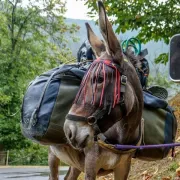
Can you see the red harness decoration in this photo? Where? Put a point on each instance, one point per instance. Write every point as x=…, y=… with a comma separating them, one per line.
x=101, y=65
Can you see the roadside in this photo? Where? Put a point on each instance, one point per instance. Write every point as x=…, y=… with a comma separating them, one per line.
x=28, y=172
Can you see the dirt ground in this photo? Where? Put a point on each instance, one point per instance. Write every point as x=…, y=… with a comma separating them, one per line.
x=166, y=169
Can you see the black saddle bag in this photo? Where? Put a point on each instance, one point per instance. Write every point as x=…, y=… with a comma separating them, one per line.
x=47, y=101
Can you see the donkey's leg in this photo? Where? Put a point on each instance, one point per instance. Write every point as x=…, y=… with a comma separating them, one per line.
x=72, y=174
x=122, y=169
x=53, y=162
x=91, y=157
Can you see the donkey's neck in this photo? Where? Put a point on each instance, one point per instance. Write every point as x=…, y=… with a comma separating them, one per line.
x=121, y=133
x=124, y=129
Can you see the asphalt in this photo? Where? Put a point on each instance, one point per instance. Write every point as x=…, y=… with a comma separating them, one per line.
x=28, y=172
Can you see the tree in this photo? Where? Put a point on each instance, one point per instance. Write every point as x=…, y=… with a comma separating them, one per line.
x=32, y=40
x=155, y=20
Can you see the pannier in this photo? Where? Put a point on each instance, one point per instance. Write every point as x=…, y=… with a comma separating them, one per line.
x=160, y=127
x=50, y=96
x=47, y=101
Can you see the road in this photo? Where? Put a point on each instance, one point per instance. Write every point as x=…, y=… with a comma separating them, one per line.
x=28, y=173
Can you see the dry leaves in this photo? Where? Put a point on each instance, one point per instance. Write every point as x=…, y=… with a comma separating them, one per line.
x=175, y=103
x=146, y=175
x=166, y=178
x=178, y=172
x=107, y=177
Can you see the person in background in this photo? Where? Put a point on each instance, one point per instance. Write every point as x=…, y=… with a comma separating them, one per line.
x=144, y=73
x=86, y=53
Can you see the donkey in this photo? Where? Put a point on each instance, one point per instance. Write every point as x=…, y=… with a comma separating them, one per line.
x=107, y=110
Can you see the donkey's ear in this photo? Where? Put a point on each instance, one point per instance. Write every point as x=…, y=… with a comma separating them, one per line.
x=96, y=44
x=112, y=43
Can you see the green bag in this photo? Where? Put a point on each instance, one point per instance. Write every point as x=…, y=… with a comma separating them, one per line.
x=160, y=126
x=47, y=101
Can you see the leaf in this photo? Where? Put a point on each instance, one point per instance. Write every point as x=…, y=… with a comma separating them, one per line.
x=29, y=45
x=162, y=58
x=157, y=20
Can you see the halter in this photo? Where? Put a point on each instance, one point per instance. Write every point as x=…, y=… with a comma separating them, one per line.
x=105, y=106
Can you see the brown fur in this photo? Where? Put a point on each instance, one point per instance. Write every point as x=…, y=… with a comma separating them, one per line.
x=85, y=154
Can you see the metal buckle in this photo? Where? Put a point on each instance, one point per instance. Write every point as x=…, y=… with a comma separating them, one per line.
x=102, y=137
x=92, y=120
x=123, y=79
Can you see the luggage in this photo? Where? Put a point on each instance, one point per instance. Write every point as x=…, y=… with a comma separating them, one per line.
x=160, y=127
x=47, y=101
x=50, y=96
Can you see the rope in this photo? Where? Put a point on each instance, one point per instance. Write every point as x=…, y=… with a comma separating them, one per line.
x=124, y=147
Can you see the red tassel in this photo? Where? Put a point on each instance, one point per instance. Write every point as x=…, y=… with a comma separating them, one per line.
x=102, y=92
x=117, y=83
x=96, y=83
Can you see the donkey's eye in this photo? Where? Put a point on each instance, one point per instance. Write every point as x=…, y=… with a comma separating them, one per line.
x=100, y=80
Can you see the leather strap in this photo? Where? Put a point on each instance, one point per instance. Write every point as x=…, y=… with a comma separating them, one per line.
x=75, y=117
x=111, y=147
x=98, y=114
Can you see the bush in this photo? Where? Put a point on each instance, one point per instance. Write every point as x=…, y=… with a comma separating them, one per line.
x=34, y=155
x=159, y=79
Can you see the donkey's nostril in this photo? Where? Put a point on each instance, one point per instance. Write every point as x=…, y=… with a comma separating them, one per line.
x=70, y=134
x=72, y=138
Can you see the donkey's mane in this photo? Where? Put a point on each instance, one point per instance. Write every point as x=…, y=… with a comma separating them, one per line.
x=135, y=61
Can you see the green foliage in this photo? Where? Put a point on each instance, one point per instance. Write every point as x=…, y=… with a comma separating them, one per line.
x=10, y=134
x=160, y=75
x=159, y=79
x=162, y=58
x=34, y=155
x=173, y=166
x=32, y=40
x=155, y=20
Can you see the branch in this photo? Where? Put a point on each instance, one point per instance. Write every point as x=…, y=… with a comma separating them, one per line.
x=12, y=24
x=23, y=24
x=11, y=3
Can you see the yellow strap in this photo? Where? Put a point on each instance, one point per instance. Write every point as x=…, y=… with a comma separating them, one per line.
x=125, y=60
x=112, y=148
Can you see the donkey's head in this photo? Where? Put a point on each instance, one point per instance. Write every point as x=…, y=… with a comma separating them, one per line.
x=109, y=100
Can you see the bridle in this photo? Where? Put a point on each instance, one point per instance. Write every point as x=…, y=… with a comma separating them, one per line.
x=100, y=112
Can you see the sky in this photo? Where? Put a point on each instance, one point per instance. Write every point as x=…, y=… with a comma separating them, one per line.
x=76, y=9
